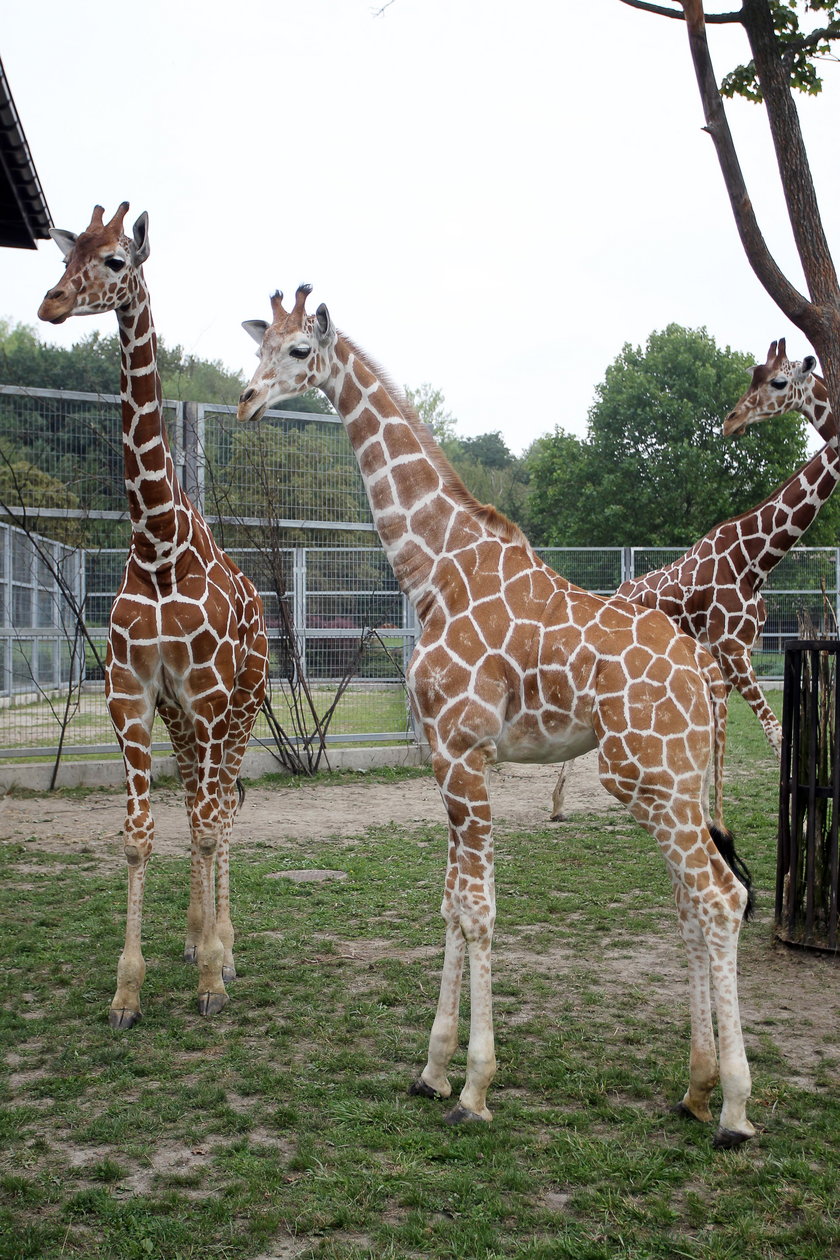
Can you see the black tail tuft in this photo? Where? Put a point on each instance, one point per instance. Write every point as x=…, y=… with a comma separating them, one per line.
x=725, y=844
x=240, y=795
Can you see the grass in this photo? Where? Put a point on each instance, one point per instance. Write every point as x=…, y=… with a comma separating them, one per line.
x=360, y=711
x=283, y=1127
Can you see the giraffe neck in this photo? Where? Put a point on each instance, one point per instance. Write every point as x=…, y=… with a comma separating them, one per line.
x=811, y=399
x=421, y=509
x=770, y=530
x=159, y=529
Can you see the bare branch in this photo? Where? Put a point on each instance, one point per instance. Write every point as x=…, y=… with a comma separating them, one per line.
x=794, y=304
x=719, y=18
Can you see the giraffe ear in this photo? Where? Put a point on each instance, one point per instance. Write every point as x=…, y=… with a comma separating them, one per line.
x=805, y=368
x=324, y=325
x=256, y=328
x=64, y=240
x=141, y=239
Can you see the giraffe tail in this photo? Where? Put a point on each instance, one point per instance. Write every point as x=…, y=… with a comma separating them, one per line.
x=721, y=835
x=240, y=794
x=718, y=696
x=725, y=844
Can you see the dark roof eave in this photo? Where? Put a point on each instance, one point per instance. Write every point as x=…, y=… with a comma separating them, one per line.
x=24, y=213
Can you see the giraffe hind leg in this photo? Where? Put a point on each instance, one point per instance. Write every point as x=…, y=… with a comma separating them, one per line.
x=183, y=745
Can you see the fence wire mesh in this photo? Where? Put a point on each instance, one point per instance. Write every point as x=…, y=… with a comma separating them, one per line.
x=270, y=492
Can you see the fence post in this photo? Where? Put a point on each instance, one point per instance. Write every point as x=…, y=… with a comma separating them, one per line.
x=807, y=874
x=7, y=602
x=627, y=563
x=194, y=461
x=299, y=603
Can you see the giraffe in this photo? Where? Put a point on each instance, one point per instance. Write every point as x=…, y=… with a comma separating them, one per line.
x=186, y=636
x=780, y=385
x=513, y=663
x=713, y=591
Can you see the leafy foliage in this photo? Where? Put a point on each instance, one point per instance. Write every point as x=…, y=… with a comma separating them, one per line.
x=798, y=49
x=654, y=470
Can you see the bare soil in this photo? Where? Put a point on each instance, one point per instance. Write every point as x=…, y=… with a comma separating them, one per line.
x=520, y=794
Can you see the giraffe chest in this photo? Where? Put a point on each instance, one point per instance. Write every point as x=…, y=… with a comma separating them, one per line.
x=181, y=639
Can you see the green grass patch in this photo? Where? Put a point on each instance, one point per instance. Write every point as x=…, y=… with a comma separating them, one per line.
x=283, y=1126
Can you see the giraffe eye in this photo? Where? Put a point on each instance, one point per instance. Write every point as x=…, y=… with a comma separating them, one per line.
x=779, y=382
x=300, y=352
x=115, y=264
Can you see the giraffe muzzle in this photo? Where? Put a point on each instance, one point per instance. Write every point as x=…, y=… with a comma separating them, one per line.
x=57, y=305
x=250, y=409
x=733, y=424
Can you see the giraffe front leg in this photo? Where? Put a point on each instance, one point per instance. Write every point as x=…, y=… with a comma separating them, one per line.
x=469, y=908
x=139, y=841
x=740, y=673
x=210, y=952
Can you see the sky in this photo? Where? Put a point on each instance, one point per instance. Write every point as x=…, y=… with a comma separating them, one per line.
x=493, y=198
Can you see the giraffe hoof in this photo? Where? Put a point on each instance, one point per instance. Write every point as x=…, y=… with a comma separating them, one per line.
x=123, y=1018
x=727, y=1139
x=685, y=1113
x=190, y=954
x=558, y=817
x=211, y=1003
x=462, y=1115
x=420, y=1089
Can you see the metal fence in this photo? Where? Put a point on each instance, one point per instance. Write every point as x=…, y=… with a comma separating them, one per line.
x=270, y=491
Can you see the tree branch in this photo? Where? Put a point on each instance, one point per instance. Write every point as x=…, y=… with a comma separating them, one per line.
x=791, y=156
x=711, y=18
x=794, y=304
x=804, y=42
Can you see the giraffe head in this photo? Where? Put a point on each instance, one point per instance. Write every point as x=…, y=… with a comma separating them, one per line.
x=777, y=386
x=101, y=267
x=294, y=354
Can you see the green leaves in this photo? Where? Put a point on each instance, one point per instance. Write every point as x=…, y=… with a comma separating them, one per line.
x=798, y=49
x=655, y=470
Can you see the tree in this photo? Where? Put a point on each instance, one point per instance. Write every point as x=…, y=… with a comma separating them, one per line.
x=655, y=470
x=428, y=402
x=782, y=60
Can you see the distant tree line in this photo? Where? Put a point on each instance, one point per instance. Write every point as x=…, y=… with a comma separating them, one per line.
x=652, y=470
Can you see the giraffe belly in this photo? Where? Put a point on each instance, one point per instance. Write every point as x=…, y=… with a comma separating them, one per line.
x=521, y=742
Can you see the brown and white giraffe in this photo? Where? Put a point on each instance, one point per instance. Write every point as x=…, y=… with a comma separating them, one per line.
x=514, y=663
x=780, y=385
x=186, y=636
x=713, y=591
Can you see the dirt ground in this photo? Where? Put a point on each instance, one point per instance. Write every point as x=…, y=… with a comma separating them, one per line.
x=789, y=997
x=520, y=794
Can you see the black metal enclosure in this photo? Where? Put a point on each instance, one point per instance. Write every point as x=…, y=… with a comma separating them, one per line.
x=809, y=796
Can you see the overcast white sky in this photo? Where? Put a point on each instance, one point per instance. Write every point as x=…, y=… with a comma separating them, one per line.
x=490, y=196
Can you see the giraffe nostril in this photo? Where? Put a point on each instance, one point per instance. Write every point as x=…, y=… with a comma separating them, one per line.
x=55, y=293
x=246, y=396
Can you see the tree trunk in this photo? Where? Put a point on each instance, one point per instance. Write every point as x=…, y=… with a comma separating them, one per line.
x=819, y=317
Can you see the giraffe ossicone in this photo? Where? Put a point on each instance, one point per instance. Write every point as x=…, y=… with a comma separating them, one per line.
x=514, y=663
x=186, y=635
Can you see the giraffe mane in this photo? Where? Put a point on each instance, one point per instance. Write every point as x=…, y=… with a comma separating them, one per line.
x=489, y=516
